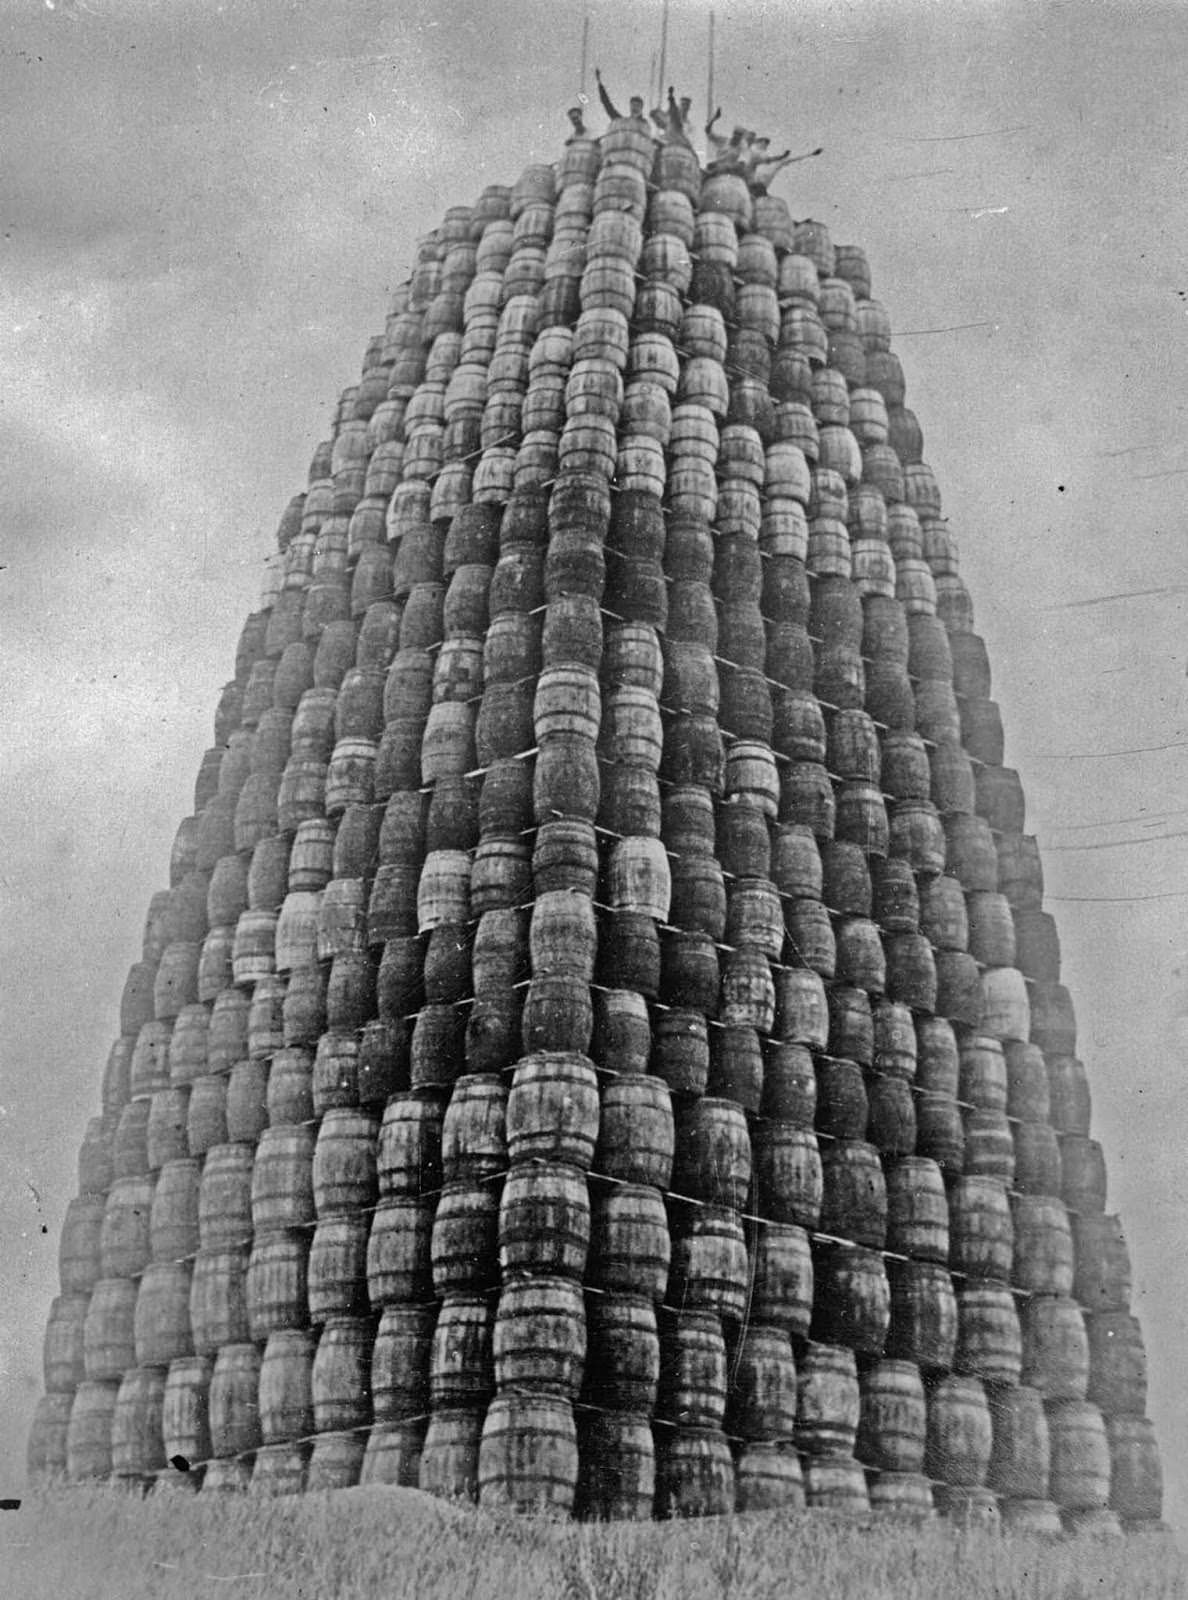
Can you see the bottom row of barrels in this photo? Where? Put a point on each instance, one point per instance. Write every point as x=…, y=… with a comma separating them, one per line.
x=537, y=1453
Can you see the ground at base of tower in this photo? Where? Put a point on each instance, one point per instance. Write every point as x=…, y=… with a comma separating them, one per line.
x=402, y=1545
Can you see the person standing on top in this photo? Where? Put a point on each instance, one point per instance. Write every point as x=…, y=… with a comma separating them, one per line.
x=673, y=120
x=636, y=106
x=715, y=143
x=729, y=155
x=761, y=169
x=578, y=123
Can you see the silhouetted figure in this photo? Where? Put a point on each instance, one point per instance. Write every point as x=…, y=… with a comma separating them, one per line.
x=636, y=106
x=673, y=120
x=761, y=169
x=728, y=155
x=715, y=143
x=578, y=123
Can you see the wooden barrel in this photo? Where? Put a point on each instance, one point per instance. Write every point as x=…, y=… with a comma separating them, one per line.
x=285, y=1398
x=1136, y=1476
x=1102, y=1279
x=344, y=1162
x=636, y=1136
x=173, y=1218
x=340, y=1382
x=1055, y=1347
x=638, y=877
x=689, y=972
x=1083, y=1175
x=278, y=1281
x=116, y=1085
x=714, y=1153
x=694, y=1474
x=959, y=1433
x=762, y=1400
x=917, y=1210
x=565, y=858
x=892, y=1417
x=788, y=1173
x=136, y=1448
x=1080, y=1467
x=409, y=1157
x=449, y=1457
x=828, y=1400
x=1037, y=1156
x=901, y=1496
x=623, y=1366
x=336, y=1461
x=472, y=1145
x=892, y=1127
x=802, y=1011
x=539, y=1340
x=558, y=1015
x=161, y=1325
x=782, y=1281
x=185, y=1421
x=736, y=1065
x=63, y=1364
x=247, y=1107
x=111, y=1239
x=225, y=1211
x=108, y=1329
x=968, y=1508
x=218, y=1299
x=1043, y=1257
x=265, y=1028
x=852, y=1306
x=544, y=1220
x=528, y=1456
x=860, y=960
x=463, y=1239
x=989, y=1146
x=709, y=1260
x=553, y=1109
x=565, y=780
x=810, y=936
x=842, y=1107
x=789, y=1091
x=616, y=1477
x=280, y=1469
x=234, y=1400
x=400, y=1360
x=1019, y=1456
x=989, y=1342
x=206, y=1115
x=923, y=1315
x=88, y=1433
x=282, y=1193
x=981, y=1230
x=630, y=1250
x=460, y=1368
x=622, y=1031
x=396, y=1256
x=854, y=1194
x=896, y=1049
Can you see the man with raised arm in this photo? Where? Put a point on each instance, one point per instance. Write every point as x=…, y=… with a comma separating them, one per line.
x=636, y=106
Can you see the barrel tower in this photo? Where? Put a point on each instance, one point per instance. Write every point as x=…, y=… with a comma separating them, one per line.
x=602, y=1049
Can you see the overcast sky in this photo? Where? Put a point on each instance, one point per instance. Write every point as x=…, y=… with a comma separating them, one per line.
x=202, y=215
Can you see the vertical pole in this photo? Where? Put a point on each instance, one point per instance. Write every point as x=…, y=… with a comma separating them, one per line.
x=710, y=108
x=652, y=81
x=585, y=53
x=660, y=89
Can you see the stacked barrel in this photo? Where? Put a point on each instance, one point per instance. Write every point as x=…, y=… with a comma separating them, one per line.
x=603, y=1048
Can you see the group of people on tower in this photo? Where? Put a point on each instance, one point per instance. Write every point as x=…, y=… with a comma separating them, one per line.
x=744, y=152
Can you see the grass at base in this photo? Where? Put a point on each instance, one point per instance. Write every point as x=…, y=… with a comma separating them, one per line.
x=401, y=1545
